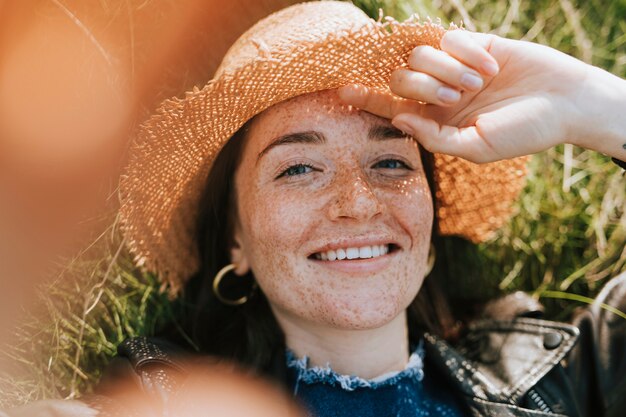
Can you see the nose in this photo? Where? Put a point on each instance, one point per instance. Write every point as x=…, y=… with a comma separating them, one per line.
x=353, y=198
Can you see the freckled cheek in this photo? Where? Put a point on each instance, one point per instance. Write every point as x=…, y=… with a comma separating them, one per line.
x=274, y=224
x=278, y=219
x=411, y=203
x=411, y=206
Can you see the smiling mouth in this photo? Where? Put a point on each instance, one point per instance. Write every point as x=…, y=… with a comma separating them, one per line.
x=363, y=252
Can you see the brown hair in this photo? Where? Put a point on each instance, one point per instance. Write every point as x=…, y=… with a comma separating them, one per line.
x=249, y=334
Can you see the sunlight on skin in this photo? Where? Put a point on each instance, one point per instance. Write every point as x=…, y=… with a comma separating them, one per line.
x=483, y=105
x=361, y=183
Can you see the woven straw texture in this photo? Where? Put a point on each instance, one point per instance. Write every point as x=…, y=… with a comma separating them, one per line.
x=302, y=49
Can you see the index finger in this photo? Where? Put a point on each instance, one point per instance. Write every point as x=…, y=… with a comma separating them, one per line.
x=377, y=102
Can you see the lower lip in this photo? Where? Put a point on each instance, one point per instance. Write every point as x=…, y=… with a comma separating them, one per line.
x=359, y=266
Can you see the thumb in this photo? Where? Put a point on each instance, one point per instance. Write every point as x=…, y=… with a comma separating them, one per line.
x=517, y=127
x=465, y=142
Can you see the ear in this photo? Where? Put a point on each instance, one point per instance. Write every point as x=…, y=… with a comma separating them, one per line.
x=238, y=254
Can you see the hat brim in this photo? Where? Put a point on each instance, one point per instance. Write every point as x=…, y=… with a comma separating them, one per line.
x=173, y=152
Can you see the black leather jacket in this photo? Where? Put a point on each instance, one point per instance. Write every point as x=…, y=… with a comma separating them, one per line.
x=509, y=365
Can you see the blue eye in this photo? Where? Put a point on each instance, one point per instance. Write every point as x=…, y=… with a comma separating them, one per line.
x=391, y=164
x=297, y=169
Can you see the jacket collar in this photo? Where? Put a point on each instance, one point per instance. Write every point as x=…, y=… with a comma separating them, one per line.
x=500, y=361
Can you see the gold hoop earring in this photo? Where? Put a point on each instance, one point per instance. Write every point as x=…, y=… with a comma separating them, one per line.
x=216, y=287
x=430, y=263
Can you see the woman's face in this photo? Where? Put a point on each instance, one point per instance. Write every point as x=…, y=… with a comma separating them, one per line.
x=319, y=184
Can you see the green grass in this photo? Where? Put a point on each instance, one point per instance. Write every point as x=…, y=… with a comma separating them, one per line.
x=99, y=300
x=566, y=239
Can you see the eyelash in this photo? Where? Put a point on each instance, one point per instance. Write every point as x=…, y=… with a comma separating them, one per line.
x=291, y=167
x=403, y=165
x=285, y=173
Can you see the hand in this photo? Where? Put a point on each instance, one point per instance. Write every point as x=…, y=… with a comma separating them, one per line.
x=52, y=408
x=486, y=98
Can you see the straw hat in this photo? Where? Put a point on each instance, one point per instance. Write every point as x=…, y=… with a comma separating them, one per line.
x=301, y=49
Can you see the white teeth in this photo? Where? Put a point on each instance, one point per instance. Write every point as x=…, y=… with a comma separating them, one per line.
x=364, y=252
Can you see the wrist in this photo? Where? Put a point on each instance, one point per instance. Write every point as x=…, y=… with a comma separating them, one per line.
x=601, y=125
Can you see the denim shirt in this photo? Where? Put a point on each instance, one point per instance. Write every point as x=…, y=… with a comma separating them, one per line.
x=406, y=393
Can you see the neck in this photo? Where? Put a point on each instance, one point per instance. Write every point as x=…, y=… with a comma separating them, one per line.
x=364, y=353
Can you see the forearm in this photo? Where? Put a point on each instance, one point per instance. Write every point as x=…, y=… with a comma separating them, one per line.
x=601, y=125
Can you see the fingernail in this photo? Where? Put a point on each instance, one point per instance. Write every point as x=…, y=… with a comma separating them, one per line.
x=471, y=81
x=490, y=68
x=448, y=95
x=403, y=127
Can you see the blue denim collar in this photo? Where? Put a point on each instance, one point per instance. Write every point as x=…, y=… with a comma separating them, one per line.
x=325, y=375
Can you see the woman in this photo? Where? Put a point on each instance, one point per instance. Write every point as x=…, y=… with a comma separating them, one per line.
x=327, y=209
x=305, y=215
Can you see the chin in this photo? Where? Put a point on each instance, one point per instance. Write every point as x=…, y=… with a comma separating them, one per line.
x=361, y=314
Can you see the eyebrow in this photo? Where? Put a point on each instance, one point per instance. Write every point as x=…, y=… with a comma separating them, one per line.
x=383, y=132
x=312, y=137
x=377, y=132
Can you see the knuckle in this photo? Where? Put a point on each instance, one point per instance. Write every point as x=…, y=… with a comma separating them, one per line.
x=448, y=38
x=395, y=82
x=396, y=107
x=420, y=52
x=402, y=78
x=397, y=76
x=422, y=86
x=414, y=85
x=491, y=37
x=426, y=57
x=363, y=96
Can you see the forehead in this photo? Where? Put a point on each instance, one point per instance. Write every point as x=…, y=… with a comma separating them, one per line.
x=321, y=111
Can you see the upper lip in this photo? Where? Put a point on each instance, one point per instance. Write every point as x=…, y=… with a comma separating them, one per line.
x=354, y=242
